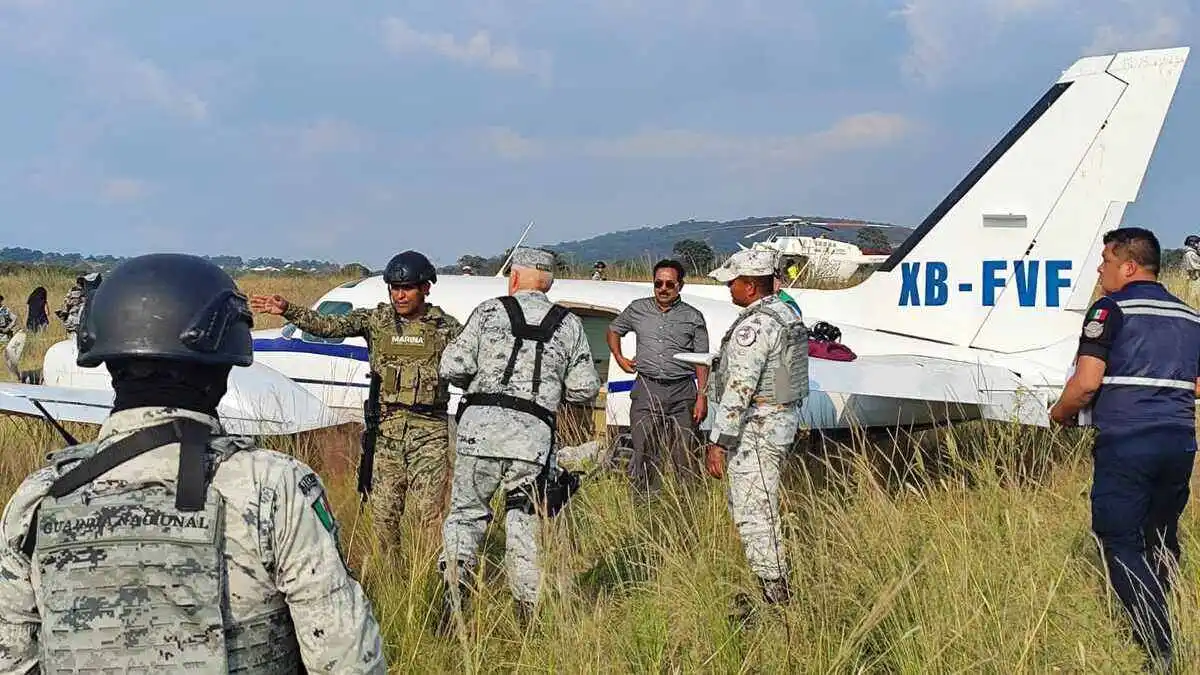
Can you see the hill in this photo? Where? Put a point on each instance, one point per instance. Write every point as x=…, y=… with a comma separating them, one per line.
x=722, y=236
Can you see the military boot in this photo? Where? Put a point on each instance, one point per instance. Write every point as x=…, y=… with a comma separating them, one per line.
x=776, y=591
x=526, y=612
x=454, y=597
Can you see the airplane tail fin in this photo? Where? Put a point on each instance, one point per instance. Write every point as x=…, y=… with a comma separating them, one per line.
x=1007, y=261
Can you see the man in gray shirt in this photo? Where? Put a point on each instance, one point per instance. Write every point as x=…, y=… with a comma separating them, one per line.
x=666, y=405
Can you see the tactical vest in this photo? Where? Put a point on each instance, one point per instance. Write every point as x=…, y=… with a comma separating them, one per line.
x=408, y=366
x=1150, y=378
x=784, y=379
x=133, y=578
x=521, y=331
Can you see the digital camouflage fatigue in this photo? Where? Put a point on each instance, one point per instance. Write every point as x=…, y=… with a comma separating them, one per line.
x=757, y=386
x=8, y=324
x=476, y=479
x=412, y=458
x=72, y=308
x=754, y=469
x=119, y=578
x=476, y=361
x=502, y=447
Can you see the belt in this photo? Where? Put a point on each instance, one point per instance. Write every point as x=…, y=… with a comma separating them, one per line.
x=430, y=410
x=664, y=381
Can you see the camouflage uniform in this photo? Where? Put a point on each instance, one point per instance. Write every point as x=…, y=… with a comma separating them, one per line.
x=413, y=450
x=758, y=385
x=260, y=560
x=501, y=447
x=8, y=324
x=71, y=309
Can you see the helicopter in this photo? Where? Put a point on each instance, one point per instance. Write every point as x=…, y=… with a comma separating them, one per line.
x=812, y=260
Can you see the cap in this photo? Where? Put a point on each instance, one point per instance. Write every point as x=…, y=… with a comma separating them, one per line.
x=746, y=263
x=534, y=258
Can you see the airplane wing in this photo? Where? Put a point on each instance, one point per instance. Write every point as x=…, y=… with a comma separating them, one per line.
x=259, y=402
x=857, y=387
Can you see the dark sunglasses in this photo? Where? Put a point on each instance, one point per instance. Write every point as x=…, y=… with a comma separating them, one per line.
x=660, y=283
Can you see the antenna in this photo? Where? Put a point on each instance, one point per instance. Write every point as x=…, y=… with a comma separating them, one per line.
x=500, y=272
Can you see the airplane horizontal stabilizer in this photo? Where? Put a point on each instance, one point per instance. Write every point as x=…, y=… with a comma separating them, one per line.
x=259, y=402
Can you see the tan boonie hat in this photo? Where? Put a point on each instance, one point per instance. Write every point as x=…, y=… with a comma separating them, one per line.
x=746, y=263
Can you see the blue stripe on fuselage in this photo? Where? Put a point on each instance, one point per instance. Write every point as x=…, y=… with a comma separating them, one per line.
x=282, y=344
x=615, y=386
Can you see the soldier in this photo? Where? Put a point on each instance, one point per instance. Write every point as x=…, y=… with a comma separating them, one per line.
x=405, y=341
x=165, y=543
x=73, y=303
x=759, y=380
x=517, y=359
x=8, y=322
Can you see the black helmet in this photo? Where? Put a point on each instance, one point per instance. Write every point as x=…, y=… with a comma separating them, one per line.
x=1191, y=241
x=409, y=267
x=166, y=306
x=825, y=332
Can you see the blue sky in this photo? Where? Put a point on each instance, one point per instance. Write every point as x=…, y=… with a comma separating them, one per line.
x=350, y=131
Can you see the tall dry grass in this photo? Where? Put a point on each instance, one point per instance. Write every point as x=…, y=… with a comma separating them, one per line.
x=960, y=549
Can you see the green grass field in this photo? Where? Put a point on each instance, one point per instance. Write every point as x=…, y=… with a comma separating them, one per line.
x=965, y=549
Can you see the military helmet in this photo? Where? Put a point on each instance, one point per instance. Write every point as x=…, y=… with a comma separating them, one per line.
x=166, y=306
x=1192, y=241
x=409, y=267
x=825, y=332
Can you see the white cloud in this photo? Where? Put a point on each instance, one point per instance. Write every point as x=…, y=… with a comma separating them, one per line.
x=320, y=137
x=943, y=31
x=61, y=34
x=949, y=35
x=509, y=144
x=850, y=133
x=1156, y=30
x=125, y=78
x=124, y=189
x=479, y=50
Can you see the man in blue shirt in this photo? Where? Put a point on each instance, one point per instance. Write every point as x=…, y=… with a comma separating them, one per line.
x=1137, y=370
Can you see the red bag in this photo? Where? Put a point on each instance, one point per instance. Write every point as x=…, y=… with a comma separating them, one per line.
x=833, y=351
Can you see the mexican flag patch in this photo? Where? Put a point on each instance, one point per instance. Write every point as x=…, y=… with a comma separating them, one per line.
x=1099, y=314
x=325, y=514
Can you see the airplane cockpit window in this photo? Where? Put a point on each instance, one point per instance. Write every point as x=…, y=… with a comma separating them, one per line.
x=596, y=329
x=329, y=308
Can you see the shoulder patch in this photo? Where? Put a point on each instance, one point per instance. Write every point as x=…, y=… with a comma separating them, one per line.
x=1093, y=329
x=745, y=335
x=321, y=507
x=309, y=483
x=310, y=487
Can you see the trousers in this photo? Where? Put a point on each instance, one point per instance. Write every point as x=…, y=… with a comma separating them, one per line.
x=1139, y=490
x=476, y=480
x=412, y=462
x=754, y=470
x=661, y=426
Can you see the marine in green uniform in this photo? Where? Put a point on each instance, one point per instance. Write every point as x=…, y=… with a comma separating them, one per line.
x=405, y=339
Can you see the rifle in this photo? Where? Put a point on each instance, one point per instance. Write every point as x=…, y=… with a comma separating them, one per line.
x=371, y=414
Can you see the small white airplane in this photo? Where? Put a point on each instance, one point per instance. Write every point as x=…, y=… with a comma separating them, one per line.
x=975, y=316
